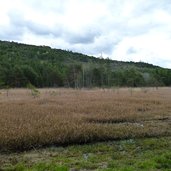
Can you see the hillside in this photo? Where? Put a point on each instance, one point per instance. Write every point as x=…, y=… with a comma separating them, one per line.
x=43, y=66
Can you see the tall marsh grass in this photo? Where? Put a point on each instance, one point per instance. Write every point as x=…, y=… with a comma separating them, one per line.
x=66, y=116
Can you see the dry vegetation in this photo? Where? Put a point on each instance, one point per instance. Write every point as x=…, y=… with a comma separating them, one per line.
x=65, y=116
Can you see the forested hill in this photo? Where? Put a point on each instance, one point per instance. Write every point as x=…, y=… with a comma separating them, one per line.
x=43, y=66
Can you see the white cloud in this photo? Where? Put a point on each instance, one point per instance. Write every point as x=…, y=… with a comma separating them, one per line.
x=121, y=29
x=150, y=47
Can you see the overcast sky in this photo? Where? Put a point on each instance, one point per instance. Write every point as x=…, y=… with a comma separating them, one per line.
x=127, y=30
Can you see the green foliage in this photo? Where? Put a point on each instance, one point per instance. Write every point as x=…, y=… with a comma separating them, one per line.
x=49, y=167
x=42, y=66
x=38, y=167
x=164, y=161
x=1, y=84
x=34, y=92
x=126, y=155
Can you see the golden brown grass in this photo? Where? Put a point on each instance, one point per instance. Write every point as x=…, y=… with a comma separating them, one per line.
x=65, y=116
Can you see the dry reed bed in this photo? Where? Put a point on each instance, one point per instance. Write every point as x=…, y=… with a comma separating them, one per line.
x=65, y=116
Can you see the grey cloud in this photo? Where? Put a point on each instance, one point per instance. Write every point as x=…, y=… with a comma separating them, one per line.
x=43, y=30
x=18, y=22
x=8, y=36
x=106, y=47
x=82, y=38
x=94, y=49
x=11, y=33
x=131, y=50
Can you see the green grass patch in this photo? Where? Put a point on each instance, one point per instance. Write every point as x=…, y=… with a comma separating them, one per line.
x=127, y=155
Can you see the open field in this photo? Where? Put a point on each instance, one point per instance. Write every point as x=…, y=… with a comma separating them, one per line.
x=67, y=116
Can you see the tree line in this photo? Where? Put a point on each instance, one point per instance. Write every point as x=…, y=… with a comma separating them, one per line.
x=42, y=66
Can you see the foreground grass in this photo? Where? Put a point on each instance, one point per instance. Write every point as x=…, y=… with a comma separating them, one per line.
x=152, y=154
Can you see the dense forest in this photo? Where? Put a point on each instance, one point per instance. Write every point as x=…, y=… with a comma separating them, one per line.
x=43, y=66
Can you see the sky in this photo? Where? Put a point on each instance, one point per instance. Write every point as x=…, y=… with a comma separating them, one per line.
x=125, y=30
